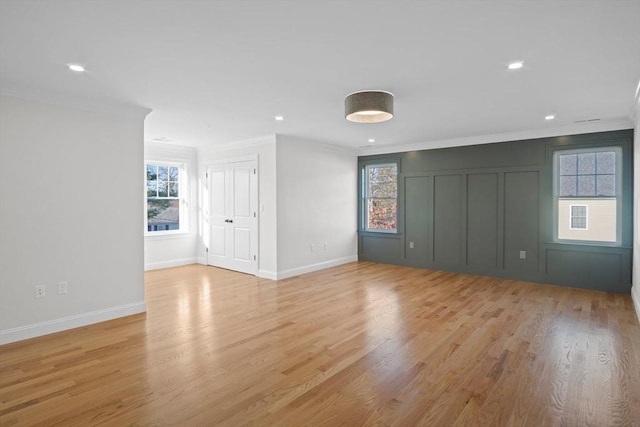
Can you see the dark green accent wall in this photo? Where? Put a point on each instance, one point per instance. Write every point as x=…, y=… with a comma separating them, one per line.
x=475, y=209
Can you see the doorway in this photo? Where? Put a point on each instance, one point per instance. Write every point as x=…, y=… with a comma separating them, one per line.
x=233, y=218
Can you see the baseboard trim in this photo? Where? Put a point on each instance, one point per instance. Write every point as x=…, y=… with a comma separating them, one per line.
x=315, y=267
x=62, y=324
x=266, y=274
x=635, y=297
x=170, y=263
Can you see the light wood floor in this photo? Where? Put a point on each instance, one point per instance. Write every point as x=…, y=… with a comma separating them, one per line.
x=360, y=344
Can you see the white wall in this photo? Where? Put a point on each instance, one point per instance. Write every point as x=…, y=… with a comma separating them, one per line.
x=635, y=290
x=70, y=210
x=171, y=250
x=265, y=149
x=317, y=204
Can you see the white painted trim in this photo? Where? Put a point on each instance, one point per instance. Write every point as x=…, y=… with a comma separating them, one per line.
x=201, y=261
x=633, y=115
x=225, y=160
x=231, y=146
x=320, y=146
x=68, y=100
x=574, y=129
x=315, y=267
x=265, y=274
x=171, y=263
x=635, y=297
x=171, y=149
x=70, y=322
x=169, y=235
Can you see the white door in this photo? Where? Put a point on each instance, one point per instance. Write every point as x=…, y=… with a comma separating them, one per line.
x=234, y=216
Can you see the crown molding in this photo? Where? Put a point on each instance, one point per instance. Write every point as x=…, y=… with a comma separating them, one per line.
x=95, y=105
x=574, y=129
x=169, y=149
x=635, y=110
x=235, y=145
x=320, y=146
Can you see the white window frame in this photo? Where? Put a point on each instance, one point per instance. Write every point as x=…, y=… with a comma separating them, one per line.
x=586, y=217
x=182, y=198
x=618, y=197
x=366, y=198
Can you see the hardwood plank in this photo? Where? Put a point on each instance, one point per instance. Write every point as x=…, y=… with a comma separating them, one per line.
x=358, y=344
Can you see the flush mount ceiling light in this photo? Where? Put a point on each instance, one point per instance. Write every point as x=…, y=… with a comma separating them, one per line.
x=549, y=117
x=279, y=118
x=372, y=106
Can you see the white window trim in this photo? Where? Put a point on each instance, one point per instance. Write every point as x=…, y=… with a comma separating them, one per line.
x=182, y=200
x=586, y=217
x=365, y=198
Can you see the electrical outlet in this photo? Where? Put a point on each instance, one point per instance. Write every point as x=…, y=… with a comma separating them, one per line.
x=523, y=254
x=312, y=247
x=40, y=291
x=63, y=288
x=325, y=245
x=411, y=245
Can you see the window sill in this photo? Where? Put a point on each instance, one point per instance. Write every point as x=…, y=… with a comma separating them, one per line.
x=589, y=244
x=380, y=233
x=168, y=235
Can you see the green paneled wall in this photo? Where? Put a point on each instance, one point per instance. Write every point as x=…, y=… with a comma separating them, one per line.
x=488, y=209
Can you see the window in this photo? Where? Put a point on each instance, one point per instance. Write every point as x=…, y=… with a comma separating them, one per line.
x=587, y=194
x=164, y=192
x=578, y=218
x=380, y=197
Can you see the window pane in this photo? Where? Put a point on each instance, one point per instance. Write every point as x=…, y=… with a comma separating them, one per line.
x=163, y=173
x=606, y=162
x=163, y=214
x=586, y=163
x=152, y=189
x=579, y=217
x=587, y=185
x=383, y=190
x=382, y=181
x=606, y=185
x=173, y=189
x=382, y=214
x=152, y=172
x=579, y=222
x=163, y=191
x=568, y=186
x=579, y=211
x=173, y=173
x=569, y=164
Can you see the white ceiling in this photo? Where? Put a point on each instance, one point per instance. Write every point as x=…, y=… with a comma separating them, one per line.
x=214, y=72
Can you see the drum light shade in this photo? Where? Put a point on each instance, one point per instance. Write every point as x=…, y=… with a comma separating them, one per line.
x=369, y=106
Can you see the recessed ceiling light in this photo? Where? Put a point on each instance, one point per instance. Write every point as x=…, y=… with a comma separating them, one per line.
x=76, y=67
x=516, y=65
x=371, y=140
x=279, y=118
x=549, y=117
